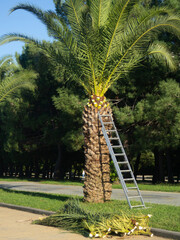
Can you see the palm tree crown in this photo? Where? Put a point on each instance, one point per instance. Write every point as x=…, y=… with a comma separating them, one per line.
x=101, y=40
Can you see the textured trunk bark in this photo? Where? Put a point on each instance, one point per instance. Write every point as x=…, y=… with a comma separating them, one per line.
x=97, y=186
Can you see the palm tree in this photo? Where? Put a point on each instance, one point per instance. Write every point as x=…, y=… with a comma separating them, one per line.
x=99, y=41
x=13, y=78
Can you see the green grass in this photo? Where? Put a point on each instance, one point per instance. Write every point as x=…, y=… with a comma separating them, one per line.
x=163, y=187
x=164, y=216
x=50, y=202
x=63, y=182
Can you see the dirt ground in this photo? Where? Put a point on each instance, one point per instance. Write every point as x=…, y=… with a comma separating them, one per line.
x=16, y=225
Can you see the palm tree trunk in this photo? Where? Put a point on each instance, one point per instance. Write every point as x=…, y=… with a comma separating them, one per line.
x=97, y=186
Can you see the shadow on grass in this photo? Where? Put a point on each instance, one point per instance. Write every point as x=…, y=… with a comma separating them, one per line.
x=50, y=196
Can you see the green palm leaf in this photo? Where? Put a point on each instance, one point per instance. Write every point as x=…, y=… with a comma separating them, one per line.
x=161, y=53
x=23, y=79
x=57, y=29
x=99, y=10
x=101, y=40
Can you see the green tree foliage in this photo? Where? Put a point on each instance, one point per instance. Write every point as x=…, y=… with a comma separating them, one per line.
x=99, y=41
x=97, y=44
x=148, y=116
x=13, y=78
x=52, y=91
x=156, y=117
x=14, y=81
x=33, y=129
x=174, y=4
x=148, y=113
x=71, y=108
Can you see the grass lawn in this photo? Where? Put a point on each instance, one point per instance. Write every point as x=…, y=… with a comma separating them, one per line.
x=163, y=187
x=164, y=216
x=65, y=182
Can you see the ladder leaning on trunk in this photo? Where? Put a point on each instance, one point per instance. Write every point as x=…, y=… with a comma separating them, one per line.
x=120, y=160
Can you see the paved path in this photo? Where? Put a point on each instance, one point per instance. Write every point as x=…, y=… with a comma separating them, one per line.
x=16, y=225
x=149, y=196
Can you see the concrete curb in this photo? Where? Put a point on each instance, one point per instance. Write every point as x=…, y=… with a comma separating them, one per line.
x=165, y=233
x=27, y=209
x=155, y=231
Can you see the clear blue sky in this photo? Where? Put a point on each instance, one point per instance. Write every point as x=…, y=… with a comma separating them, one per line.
x=22, y=22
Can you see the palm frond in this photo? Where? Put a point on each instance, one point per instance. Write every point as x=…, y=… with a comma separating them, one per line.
x=116, y=19
x=58, y=5
x=23, y=79
x=99, y=10
x=161, y=53
x=7, y=66
x=57, y=29
x=101, y=40
x=47, y=48
x=6, y=59
x=73, y=9
x=142, y=15
x=142, y=37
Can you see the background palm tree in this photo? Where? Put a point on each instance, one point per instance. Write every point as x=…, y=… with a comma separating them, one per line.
x=13, y=77
x=99, y=41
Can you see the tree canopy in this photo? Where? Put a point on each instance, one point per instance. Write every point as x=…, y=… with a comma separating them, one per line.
x=100, y=41
x=96, y=47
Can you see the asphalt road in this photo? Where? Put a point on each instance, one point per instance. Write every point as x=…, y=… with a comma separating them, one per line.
x=148, y=196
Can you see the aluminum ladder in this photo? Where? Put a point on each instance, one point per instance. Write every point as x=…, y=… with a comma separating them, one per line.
x=120, y=160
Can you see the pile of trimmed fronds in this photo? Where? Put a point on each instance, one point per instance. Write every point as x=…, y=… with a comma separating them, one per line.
x=74, y=217
x=121, y=225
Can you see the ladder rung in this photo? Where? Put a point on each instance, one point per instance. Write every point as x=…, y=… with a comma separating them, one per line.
x=116, y=144
x=138, y=206
x=125, y=162
x=119, y=154
x=135, y=196
x=125, y=171
x=128, y=179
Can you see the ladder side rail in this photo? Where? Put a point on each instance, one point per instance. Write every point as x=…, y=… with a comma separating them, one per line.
x=113, y=157
x=131, y=172
x=122, y=148
x=114, y=160
x=129, y=166
x=116, y=165
x=112, y=152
